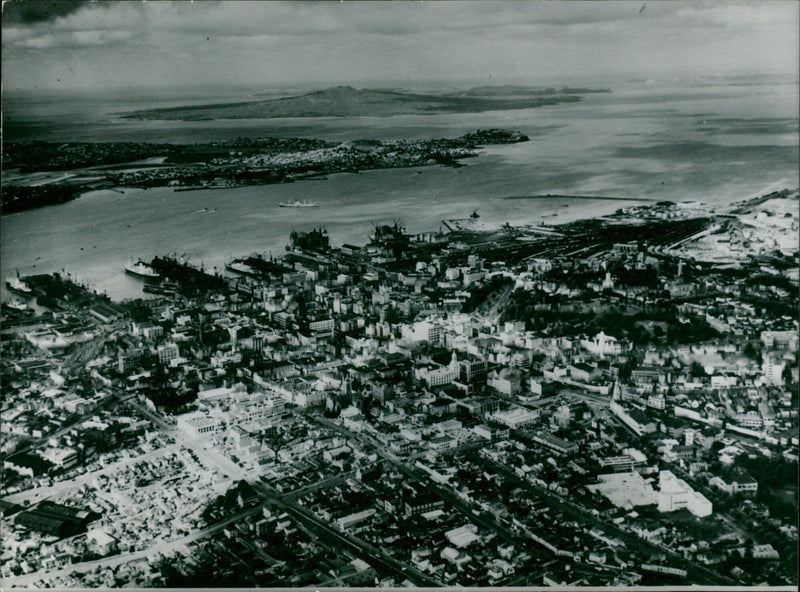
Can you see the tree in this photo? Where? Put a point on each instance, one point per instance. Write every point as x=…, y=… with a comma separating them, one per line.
x=748, y=550
x=751, y=351
x=393, y=316
x=697, y=370
x=787, y=374
x=276, y=438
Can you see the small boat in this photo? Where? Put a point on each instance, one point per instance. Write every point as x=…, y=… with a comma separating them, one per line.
x=299, y=204
x=141, y=269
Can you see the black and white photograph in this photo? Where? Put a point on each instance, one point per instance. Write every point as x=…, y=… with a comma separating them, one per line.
x=400, y=294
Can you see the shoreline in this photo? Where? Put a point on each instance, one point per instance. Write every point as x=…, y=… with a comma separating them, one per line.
x=589, y=197
x=249, y=208
x=523, y=226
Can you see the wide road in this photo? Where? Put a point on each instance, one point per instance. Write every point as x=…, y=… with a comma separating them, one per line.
x=203, y=450
x=93, y=347
x=358, y=547
x=227, y=467
x=164, y=547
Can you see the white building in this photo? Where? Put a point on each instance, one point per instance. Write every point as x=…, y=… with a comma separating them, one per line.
x=228, y=408
x=625, y=490
x=541, y=387
x=772, y=368
x=751, y=419
x=563, y=416
x=516, y=417
x=782, y=340
x=603, y=345
x=353, y=519
x=256, y=408
x=675, y=494
x=471, y=276
x=61, y=457
x=506, y=380
x=198, y=424
x=351, y=418
x=463, y=536
x=634, y=419
x=322, y=328
x=167, y=352
x=426, y=330
x=739, y=484
x=436, y=375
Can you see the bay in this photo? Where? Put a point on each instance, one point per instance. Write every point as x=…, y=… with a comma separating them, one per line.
x=714, y=142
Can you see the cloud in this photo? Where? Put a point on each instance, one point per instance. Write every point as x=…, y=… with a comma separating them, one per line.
x=38, y=11
x=389, y=19
x=247, y=18
x=75, y=39
x=305, y=42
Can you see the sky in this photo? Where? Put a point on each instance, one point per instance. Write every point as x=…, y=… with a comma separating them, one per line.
x=115, y=45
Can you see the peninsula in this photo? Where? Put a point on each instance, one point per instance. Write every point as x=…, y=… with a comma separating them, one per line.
x=78, y=167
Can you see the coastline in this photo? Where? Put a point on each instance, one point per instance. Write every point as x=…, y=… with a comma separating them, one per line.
x=221, y=165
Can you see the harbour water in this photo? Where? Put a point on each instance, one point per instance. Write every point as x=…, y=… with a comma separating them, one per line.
x=715, y=142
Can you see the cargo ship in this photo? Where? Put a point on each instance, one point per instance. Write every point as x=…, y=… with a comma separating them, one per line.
x=141, y=269
x=256, y=266
x=299, y=204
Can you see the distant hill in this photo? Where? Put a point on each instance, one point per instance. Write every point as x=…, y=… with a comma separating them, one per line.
x=346, y=101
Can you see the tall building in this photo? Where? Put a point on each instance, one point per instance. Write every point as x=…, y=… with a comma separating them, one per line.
x=772, y=368
x=322, y=328
x=472, y=370
x=167, y=352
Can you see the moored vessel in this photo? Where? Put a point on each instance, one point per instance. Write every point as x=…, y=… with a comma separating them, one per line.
x=237, y=266
x=17, y=285
x=256, y=266
x=141, y=269
x=299, y=204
